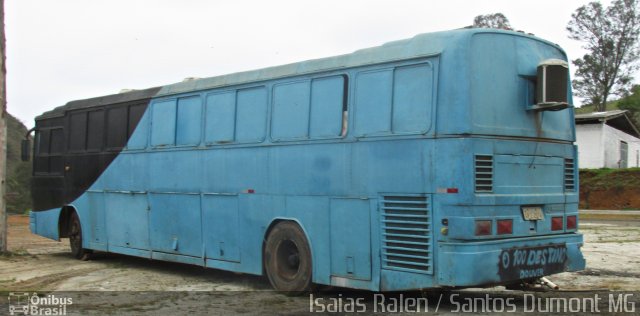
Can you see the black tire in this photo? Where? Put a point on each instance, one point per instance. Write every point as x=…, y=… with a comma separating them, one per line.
x=287, y=259
x=75, y=239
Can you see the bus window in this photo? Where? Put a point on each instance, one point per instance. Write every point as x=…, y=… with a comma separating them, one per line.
x=291, y=110
x=251, y=114
x=373, y=102
x=412, y=97
x=56, y=149
x=95, y=130
x=78, y=132
x=57, y=142
x=220, y=112
x=188, y=121
x=309, y=109
x=137, y=122
x=397, y=101
x=328, y=107
x=43, y=142
x=163, y=126
x=116, y=127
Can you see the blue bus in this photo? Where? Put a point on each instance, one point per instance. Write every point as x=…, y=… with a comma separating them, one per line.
x=444, y=160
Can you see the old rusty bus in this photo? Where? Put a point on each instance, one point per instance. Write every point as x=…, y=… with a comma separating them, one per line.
x=447, y=159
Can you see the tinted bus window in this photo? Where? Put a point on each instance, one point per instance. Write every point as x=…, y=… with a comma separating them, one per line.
x=116, y=127
x=138, y=123
x=43, y=142
x=95, y=128
x=135, y=115
x=57, y=141
x=78, y=132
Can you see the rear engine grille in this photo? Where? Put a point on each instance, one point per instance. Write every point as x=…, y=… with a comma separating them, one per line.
x=406, y=234
x=569, y=175
x=484, y=173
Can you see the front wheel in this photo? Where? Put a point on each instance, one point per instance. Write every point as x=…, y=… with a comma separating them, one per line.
x=287, y=258
x=75, y=239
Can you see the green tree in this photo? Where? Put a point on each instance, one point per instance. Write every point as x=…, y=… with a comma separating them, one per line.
x=610, y=36
x=631, y=103
x=18, y=189
x=494, y=20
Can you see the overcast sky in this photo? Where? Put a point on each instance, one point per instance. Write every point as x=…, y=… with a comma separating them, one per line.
x=63, y=50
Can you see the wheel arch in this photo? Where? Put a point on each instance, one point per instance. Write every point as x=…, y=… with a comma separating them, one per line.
x=270, y=227
x=64, y=219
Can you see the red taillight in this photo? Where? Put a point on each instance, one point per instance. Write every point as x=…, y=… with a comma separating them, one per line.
x=505, y=226
x=556, y=223
x=572, y=222
x=452, y=190
x=483, y=228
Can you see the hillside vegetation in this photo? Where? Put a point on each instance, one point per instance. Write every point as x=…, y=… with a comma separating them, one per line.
x=18, y=192
x=610, y=189
x=630, y=103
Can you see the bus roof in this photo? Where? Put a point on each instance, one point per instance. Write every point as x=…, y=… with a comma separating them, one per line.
x=421, y=45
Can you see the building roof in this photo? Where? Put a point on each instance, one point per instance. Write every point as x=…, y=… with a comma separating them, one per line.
x=618, y=119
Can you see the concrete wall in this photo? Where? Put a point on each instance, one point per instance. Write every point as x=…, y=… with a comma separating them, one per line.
x=612, y=138
x=599, y=146
x=590, y=146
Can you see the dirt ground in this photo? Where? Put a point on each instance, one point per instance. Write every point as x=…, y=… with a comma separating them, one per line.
x=116, y=284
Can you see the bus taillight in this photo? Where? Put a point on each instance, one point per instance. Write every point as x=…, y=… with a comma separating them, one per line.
x=557, y=223
x=505, y=226
x=483, y=228
x=572, y=222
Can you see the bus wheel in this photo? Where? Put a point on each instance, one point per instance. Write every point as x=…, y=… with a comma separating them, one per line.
x=287, y=259
x=75, y=239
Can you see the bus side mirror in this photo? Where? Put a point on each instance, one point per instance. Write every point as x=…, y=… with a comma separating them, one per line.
x=26, y=150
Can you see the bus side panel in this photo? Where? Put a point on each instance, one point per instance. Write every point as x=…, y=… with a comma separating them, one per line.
x=312, y=213
x=175, y=224
x=220, y=227
x=97, y=233
x=350, y=238
x=45, y=223
x=127, y=220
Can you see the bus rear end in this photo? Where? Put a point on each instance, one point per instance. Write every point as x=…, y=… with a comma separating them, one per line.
x=508, y=211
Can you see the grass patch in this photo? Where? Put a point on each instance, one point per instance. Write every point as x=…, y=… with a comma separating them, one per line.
x=609, y=217
x=20, y=252
x=605, y=178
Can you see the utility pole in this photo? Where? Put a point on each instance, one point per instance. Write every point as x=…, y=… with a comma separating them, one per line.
x=3, y=134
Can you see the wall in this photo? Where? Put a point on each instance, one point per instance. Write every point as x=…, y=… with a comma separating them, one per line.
x=611, y=141
x=590, y=145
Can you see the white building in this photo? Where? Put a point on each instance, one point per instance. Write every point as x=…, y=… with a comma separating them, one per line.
x=607, y=140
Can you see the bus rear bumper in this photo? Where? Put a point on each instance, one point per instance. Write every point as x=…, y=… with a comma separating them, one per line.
x=508, y=260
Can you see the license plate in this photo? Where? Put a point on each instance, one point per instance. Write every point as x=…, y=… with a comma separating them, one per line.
x=532, y=213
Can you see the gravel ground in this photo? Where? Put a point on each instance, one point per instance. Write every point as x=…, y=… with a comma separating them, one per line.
x=116, y=284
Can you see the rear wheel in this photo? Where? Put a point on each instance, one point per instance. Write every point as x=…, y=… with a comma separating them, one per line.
x=287, y=259
x=75, y=239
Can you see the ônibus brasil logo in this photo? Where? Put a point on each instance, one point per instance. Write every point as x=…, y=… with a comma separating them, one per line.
x=33, y=304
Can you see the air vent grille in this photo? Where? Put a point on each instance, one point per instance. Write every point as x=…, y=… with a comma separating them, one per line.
x=484, y=173
x=406, y=233
x=569, y=175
